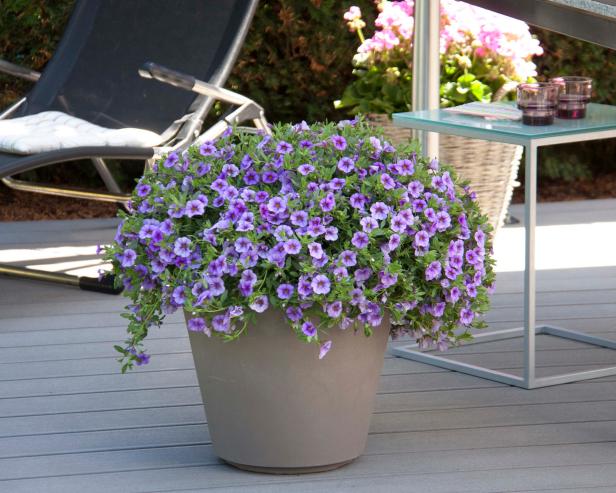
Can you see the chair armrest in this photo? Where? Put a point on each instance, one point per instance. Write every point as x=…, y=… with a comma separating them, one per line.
x=17, y=71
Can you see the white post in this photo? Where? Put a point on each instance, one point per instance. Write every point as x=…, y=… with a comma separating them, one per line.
x=426, y=66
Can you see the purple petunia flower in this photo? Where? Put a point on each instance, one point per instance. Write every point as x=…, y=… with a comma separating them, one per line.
x=443, y=221
x=196, y=324
x=299, y=218
x=260, y=304
x=292, y=247
x=358, y=200
x=181, y=247
x=305, y=169
x=328, y=202
x=368, y=224
x=346, y=165
x=207, y=149
x=331, y=233
x=363, y=274
x=387, y=279
x=387, y=182
x=339, y=142
x=220, y=323
x=284, y=147
x=360, y=240
x=394, y=242
x=294, y=313
x=315, y=250
x=324, y=349
x=379, y=210
x=143, y=189
x=421, y=240
x=320, y=284
x=285, y=291
x=251, y=177
x=277, y=204
x=304, y=287
x=309, y=329
x=433, y=271
x=128, y=257
x=194, y=208
x=334, y=310
x=466, y=316
x=348, y=258
x=216, y=286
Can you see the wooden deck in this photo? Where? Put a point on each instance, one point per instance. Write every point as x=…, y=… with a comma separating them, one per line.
x=69, y=422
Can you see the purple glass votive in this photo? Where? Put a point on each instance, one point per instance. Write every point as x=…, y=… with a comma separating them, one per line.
x=574, y=96
x=538, y=102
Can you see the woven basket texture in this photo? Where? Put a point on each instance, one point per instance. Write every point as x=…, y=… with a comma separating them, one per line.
x=490, y=167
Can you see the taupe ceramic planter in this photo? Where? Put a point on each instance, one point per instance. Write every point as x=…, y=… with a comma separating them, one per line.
x=273, y=406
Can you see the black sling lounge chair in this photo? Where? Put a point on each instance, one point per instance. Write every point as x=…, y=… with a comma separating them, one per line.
x=94, y=76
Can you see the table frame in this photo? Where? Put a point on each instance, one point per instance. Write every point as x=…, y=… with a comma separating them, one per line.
x=529, y=331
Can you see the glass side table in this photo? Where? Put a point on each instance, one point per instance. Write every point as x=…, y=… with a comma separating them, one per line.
x=600, y=123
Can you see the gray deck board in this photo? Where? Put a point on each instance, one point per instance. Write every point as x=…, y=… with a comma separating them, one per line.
x=70, y=422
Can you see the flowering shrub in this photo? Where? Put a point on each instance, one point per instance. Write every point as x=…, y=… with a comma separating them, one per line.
x=328, y=223
x=483, y=57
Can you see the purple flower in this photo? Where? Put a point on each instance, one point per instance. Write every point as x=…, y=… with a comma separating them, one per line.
x=315, y=227
x=421, y=240
x=363, y=274
x=360, y=240
x=196, y=324
x=260, y=304
x=346, y=165
x=358, y=200
x=334, y=309
x=328, y=202
x=320, y=284
x=387, y=181
x=443, y=221
x=331, y=233
x=292, y=247
x=284, y=147
x=294, y=313
x=304, y=287
x=216, y=286
x=466, y=316
x=305, y=169
x=388, y=279
x=269, y=177
x=379, y=210
x=251, y=177
x=324, y=349
x=368, y=224
x=194, y=208
x=277, y=204
x=143, y=189
x=406, y=167
x=433, y=271
x=299, y=218
x=339, y=142
x=179, y=295
x=181, y=247
x=394, y=242
x=309, y=329
x=261, y=196
x=220, y=323
x=285, y=291
x=171, y=160
x=128, y=257
x=315, y=250
x=207, y=149
x=348, y=258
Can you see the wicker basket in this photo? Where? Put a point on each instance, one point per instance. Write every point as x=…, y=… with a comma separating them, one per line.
x=490, y=167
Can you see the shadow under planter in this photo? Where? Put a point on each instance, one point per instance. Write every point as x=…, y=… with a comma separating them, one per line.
x=274, y=407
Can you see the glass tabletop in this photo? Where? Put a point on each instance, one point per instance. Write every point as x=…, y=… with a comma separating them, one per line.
x=598, y=117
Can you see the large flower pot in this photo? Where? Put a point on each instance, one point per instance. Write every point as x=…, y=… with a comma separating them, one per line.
x=273, y=406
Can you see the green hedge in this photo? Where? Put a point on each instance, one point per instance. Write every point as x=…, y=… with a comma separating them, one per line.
x=297, y=60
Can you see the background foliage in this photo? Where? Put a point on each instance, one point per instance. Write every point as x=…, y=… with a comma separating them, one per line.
x=297, y=60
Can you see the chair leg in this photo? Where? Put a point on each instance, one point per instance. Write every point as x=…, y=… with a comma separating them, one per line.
x=64, y=191
x=105, y=174
x=105, y=285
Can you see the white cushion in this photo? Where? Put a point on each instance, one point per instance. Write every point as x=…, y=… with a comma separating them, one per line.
x=53, y=130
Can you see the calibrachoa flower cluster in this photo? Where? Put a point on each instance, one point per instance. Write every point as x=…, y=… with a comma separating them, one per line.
x=483, y=56
x=328, y=223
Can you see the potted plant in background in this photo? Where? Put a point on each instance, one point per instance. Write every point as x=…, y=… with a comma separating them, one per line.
x=484, y=56
x=294, y=257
